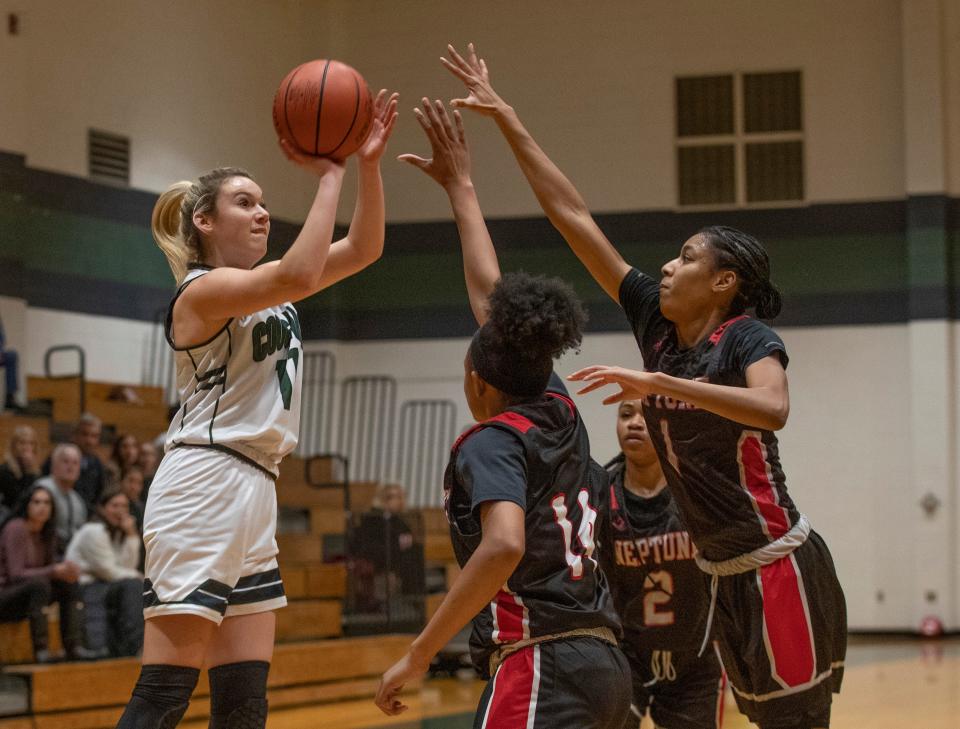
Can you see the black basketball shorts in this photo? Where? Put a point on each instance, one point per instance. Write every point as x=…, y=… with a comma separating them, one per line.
x=680, y=689
x=581, y=682
x=782, y=632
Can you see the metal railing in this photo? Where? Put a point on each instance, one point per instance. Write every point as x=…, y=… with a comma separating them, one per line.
x=81, y=367
x=317, y=403
x=426, y=431
x=367, y=422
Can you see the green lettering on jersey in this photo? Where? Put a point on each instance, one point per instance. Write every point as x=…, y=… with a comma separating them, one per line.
x=291, y=323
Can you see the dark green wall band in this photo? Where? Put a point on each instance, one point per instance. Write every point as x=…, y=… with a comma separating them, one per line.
x=72, y=244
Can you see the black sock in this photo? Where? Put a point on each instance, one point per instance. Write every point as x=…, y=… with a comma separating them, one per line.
x=160, y=697
x=238, y=695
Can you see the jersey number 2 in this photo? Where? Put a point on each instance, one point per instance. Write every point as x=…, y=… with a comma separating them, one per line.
x=658, y=591
x=584, y=532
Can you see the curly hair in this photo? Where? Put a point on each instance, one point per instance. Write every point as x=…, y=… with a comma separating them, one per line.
x=532, y=321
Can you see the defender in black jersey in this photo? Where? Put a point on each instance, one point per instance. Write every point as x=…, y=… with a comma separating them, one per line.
x=521, y=495
x=661, y=596
x=714, y=392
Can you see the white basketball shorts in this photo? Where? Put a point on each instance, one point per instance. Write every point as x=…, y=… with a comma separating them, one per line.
x=210, y=535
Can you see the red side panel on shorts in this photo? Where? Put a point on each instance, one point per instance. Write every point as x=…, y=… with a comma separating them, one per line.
x=510, y=618
x=756, y=477
x=515, y=690
x=786, y=624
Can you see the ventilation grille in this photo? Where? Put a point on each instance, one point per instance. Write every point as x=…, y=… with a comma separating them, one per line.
x=109, y=157
x=774, y=171
x=707, y=175
x=740, y=138
x=772, y=102
x=704, y=105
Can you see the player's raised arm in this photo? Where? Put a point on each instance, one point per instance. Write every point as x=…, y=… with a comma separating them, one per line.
x=221, y=221
x=449, y=166
x=559, y=199
x=363, y=243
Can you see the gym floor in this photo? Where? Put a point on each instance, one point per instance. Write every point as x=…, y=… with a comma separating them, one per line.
x=889, y=683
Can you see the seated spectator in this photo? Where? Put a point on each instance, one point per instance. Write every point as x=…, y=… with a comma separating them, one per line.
x=31, y=577
x=131, y=484
x=125, y=453
x=107, y=550
x=149, y=460
x=10, y=363
x=20, y=467
x=71, y=510
x=86, y=436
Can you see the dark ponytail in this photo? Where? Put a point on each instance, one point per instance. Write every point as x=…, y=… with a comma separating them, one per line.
x=742, y=253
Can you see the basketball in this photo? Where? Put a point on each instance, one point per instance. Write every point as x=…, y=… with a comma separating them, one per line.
x=323, y=108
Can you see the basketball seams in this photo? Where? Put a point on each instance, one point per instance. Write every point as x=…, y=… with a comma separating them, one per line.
x=286, y=105
x=353, y=121
x=323, y=83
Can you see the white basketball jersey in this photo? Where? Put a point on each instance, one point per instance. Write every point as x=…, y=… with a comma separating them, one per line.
x=240, y=390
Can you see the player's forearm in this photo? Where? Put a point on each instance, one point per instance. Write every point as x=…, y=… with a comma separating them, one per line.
x=759, y=407
x=367, y=226
x=481, y=269
x=483, y=575
x=301, y=267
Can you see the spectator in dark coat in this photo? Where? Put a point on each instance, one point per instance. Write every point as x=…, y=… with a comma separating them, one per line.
x=86, y=436
x=31, y=577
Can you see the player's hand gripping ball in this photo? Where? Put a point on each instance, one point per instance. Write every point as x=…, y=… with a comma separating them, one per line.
x=323, y=108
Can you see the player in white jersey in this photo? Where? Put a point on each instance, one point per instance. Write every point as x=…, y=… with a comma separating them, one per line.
x=212, y=579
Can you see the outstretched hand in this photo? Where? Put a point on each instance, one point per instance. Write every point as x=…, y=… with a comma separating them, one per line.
x=450, y=163
x=633, y=384
x=384, y=118
x=472, y=70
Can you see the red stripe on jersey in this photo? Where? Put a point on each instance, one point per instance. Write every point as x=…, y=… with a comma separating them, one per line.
x=718, y=332
x=565, y=399
x=514, y=688
x=509, y=613
x=786, y=623
x=756, y=479
x=514, y=420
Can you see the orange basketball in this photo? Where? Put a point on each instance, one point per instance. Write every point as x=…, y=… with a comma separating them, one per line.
x=323, y=108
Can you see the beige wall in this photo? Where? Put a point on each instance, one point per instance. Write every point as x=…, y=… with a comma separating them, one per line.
x=192, y=84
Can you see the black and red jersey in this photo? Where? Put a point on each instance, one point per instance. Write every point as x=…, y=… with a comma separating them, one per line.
x=725, y=476
x=660, y=594
x=536, y=455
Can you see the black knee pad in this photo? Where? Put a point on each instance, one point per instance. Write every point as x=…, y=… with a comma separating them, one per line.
x=160, y=698
x=238, y=695
x=251, y=714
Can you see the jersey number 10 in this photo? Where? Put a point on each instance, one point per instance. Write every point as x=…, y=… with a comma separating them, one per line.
x=584, y=535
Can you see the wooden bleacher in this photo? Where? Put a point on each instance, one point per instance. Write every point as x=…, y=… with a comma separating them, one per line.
x=145, y=419
x=92, y=695
x=312, y=663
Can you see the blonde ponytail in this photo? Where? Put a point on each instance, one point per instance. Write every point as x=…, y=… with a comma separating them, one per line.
x=172, y=221
x=166, y=224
